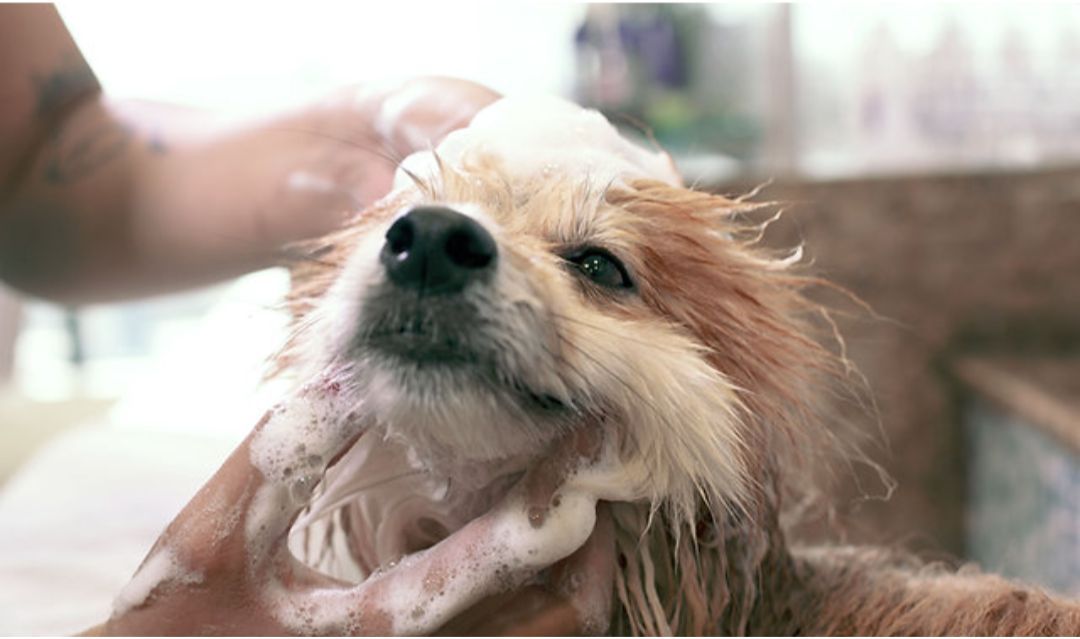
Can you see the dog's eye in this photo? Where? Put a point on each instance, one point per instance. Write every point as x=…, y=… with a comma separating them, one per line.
x=602, y=268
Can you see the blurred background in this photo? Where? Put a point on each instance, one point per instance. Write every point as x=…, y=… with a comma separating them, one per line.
x=929, y=156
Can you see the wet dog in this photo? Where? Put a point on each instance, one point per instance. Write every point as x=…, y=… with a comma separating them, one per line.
x=536, y=272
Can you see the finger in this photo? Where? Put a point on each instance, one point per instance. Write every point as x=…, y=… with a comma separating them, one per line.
x=419, y=113
x=491, y=554
x=569, y=455
x=291, y=451
x=576, y=601
x=251, y=499
x=529, y=611
x=586, y=579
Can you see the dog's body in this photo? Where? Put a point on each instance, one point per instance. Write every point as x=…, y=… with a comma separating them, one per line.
x=538, y=271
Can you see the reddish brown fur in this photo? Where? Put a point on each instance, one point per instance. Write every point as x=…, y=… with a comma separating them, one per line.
x=734, y=573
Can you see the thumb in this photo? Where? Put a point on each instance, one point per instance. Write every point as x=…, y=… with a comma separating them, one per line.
x=418, y=114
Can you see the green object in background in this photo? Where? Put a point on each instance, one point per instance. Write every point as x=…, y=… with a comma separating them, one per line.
x=659, y=68
x=680, y=125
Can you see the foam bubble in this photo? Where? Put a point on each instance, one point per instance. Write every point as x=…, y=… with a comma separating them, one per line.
x=291, y=450
x=544, y=136
x=301, y=433
x=159, y=568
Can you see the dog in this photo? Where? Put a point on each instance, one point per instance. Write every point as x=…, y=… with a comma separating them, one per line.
x=537, y=269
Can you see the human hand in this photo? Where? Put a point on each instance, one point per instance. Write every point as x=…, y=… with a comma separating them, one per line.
x=364, y=132
x=222, y=566
x=117, y=198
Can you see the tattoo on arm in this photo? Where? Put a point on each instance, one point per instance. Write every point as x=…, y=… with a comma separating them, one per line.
x=68, y=158
x=60, y=90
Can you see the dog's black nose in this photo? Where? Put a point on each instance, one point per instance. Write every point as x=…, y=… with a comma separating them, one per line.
x=437, y=249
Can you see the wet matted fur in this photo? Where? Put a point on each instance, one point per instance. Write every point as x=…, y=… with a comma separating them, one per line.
x=706, y=552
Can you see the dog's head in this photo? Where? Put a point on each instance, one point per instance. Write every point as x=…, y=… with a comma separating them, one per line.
x=537, y=270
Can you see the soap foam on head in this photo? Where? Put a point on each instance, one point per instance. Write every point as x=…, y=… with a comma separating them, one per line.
x=545, y=137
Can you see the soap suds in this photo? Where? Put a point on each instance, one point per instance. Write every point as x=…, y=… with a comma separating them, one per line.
x=159, y=568
x=514, y=549
x=544, y=137
x=393, y=124
x=291, y=450
x=511, y=551
x=301, y=434
x=425, y=590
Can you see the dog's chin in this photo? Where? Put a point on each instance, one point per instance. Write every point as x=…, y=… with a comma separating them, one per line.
x=453, y=408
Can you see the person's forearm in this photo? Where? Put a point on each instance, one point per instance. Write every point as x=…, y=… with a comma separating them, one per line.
x=126, y=198
x=102, y=199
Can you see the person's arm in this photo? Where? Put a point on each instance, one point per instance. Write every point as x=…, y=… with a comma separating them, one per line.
x=102, y=199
